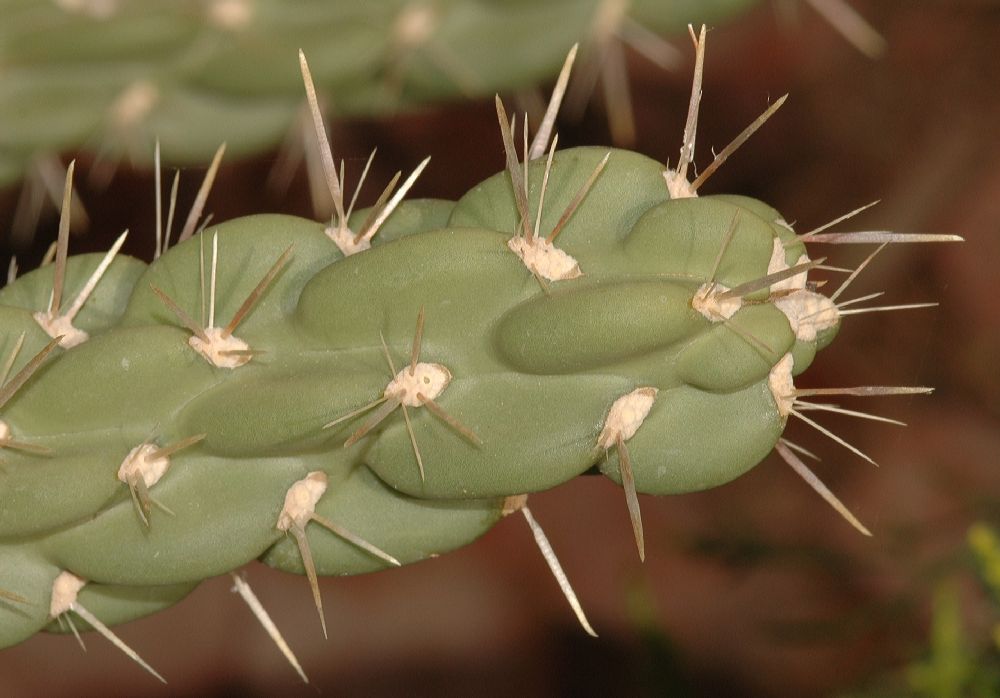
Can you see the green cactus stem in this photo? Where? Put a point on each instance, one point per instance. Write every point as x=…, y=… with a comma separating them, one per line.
x=263, y=391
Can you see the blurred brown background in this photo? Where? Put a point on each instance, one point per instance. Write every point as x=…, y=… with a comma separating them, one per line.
x=753, y=589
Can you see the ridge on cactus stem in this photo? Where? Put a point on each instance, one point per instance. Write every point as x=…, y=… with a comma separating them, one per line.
x=404, y=378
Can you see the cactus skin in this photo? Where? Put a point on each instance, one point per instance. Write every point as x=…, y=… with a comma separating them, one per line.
x=534, y=374
x=194, y=73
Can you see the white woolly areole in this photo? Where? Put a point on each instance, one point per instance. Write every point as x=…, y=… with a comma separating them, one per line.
x=65, y=589
x=808, y=313
x=513, y=504
x=415, y=24
x=779, y=380
x=678, y=187
x=706, y=301
x=230, y=14
x=777, y=263
x=61, y=325
x=134, y=104
x=139, y=462
x=429, y=380
x=544, y=258
x=214, y=349
x=344, y=239
x=626, y=416
x=4, y=432
x=300, y=501
x=96, y=9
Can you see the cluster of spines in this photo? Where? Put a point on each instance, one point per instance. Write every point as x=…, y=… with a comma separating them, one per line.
x=216, y=345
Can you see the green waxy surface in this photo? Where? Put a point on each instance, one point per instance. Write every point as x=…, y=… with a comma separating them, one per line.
x=619, y=322
x=534, y=369
x=670, y=455
x=41, y=495
x=124, y=381
x=25, y=573
x=114, y=604
x=536, y=431
x=224, y=513
x=627, y=188
x=102, y=309
x=407, y=528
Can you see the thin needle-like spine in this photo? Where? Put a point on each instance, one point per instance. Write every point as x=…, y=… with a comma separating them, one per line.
x=171, y=449
x=202, y=196
x=866, y=391
x=62, y=244
x=542, y=541
x=171, y=209
x=310, y=566
x=541, y=193
x=730, y=232
x=140, y=504
x=211, y=284
x=185, y=319
x=578, y=199
x=7, y=390
x=868, y=237
x=749, y=287
x=751, y=338
x=512, y=165
x=691, y=125
x=413, y=441
x=361, y=410
x=158, y=250
x=104, y=630
x=631, y=498
x=361, y=182
x=887, y=308
x=11, y=596
x=854, y=274
x=95, y=278
x=799, y=449
x=9, y=363
x=835, y=221
x=440, y=413
x=735, y=144
x=822, y=407
x=372, y=216
x=354, y=539
x=325, y=151
x=33, y=449
x=541, y=140
x=829, y=434
x=201, y=276
x=374, y=420
x=72, y=627
x=851, y=25
x=418, y=336
x=258, y=291
x=784, y=450
x=385, y=212
x=241, y=587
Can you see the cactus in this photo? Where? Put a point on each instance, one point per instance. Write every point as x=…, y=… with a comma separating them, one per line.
x=338, y=399
x=193, y=73
x=114, y=76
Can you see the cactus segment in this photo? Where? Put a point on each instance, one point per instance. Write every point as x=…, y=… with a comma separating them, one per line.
x=419, y=432
x=265, y=390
